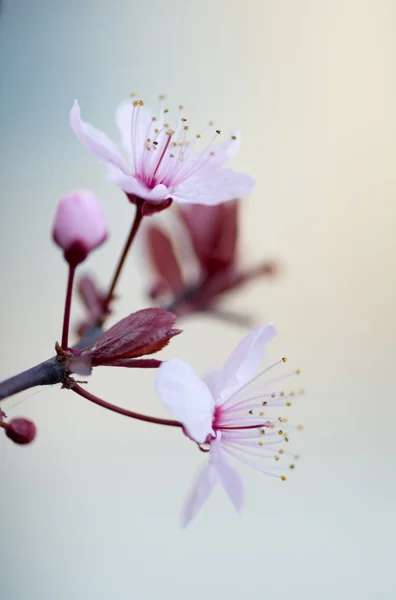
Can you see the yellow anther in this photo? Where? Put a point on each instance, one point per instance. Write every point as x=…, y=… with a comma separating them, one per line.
x=283, y=477
x=300, y=427
x=137, y=103
x=261, y=413
x=181, y=106
x=292, y=393
x=133, y=95
x=288, y=403
x=280, y=432
x=260, y=443
x=198, y=136
x=166, y=124
x=286, y=438
x=276, y=457
x=162, y=97
x=298, y=371
x=284, y=359
x=184, y=119
x=170, y=132
x=233, y=137
x=211, y=123
x=166, y=110
x=264, y=403
x=296, y=457
x=185, y=128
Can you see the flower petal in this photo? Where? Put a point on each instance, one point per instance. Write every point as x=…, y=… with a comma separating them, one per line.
x=123, y=119
x=244, y=361
x=133, y=186
x=202, y=487
x=213, y=186
x=96, y=141
x=187, y=397
x=228, y=476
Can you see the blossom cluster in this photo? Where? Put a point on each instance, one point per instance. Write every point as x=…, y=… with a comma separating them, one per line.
x=157, y=164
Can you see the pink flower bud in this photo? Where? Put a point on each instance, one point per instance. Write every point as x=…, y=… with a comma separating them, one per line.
x=21, y=431
x=79, y=226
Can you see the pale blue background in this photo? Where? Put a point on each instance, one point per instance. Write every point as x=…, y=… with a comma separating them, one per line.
x=90, y=511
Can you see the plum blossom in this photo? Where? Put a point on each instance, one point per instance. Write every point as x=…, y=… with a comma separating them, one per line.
x=162, y=164
x=223, y=419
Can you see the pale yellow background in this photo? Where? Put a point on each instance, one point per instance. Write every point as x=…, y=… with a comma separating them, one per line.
x=90, y=511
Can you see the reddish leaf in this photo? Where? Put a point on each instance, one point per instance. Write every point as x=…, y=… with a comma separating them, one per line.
x=143, y=332
x=213, y=231
x=140, y=363
x=163, y=258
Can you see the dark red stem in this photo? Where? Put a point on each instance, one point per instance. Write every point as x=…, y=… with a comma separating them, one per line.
x=134, y=229
x=122, y=411
x=66, y=316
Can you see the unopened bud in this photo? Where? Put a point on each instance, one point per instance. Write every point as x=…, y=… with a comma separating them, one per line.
x=21, y=431
x=79, y=226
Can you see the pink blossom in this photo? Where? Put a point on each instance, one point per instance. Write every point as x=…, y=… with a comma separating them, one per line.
x=222, y=418
x=162, y=165
x=79, y=226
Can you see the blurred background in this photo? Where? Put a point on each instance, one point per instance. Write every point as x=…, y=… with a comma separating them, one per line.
x=91, y=509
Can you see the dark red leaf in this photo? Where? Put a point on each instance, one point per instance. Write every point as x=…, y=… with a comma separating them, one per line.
x=143, y=332
x=163, y=258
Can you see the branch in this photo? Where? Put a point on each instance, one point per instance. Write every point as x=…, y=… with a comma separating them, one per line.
x=49, y=372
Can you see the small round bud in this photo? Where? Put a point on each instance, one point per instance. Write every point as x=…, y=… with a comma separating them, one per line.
x=79, y=226
x=21, y=431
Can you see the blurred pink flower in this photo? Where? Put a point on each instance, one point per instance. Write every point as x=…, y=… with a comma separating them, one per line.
x=162, y=165
x=79, y=225
x=215, y=413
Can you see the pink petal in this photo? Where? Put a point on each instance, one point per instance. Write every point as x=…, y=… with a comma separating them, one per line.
x=187, y=398
x=244, y=362
x=213, y=186
x=133, y=186
x=202, y=487
x=228, y=476
x=225, y=151
x=96, y=141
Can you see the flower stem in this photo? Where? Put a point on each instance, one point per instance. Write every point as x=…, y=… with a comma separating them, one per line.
x=66, y=316
x=134, y=229
x=122, y=411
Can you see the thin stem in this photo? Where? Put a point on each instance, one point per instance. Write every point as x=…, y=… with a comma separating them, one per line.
x=122, y=411
x=66, y=316
x=134, y=229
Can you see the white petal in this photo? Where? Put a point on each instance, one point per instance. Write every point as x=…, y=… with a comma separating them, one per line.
x=123, y=119
x=202, y=487
x=244, y=362
x=214, y=186
x=96, y=141
x=187, y=397
x=228, y=476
